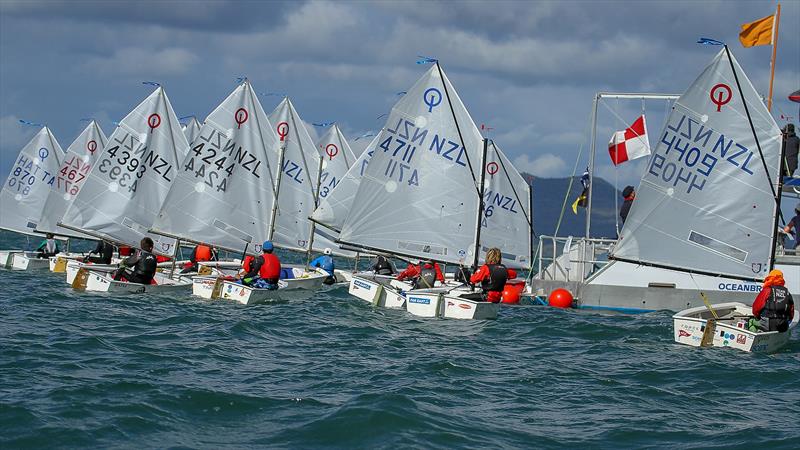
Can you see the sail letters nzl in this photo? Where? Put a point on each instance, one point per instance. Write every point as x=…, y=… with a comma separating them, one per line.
x=697, y=149
x=293, y=170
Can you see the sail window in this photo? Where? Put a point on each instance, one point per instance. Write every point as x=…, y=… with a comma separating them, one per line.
x=717, y=246
x=422, y=248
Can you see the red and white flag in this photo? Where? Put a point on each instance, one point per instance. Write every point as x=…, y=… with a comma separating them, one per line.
x=629, y=144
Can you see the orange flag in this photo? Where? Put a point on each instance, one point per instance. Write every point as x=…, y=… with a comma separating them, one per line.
x=758, y=32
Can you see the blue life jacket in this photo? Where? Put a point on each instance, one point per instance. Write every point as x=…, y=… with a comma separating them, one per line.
x=324, y=262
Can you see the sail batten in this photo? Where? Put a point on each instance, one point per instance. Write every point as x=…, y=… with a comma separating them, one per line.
x=706, y=203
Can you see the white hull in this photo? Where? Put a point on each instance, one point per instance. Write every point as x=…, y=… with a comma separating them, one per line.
x=301, y=287
x=631, y=288
x=6, y=258
x=58, y=263
x=438, y=304
x=690, y=326
x=28, y=261
x=377, y=290
x=74, y=266
x=90, y=280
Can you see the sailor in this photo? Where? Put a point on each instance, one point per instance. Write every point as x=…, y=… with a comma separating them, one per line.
x=424, y=275
x=791, y=146
x=794, y=223
x=325, y=262
x=493, y=276
x=104, y=250
x=48, y=247
x=143, y=263
x=463, y=274
x=265, y=271
x=200, y=253
x=382, y=266
x=628, y=194
x=774, y=306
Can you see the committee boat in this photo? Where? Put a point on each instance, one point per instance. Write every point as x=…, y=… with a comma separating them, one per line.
x=705, y=210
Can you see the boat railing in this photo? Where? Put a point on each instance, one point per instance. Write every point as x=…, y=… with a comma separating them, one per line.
x=570, y=258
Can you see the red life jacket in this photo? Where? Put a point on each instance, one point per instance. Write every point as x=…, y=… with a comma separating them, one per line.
x=271, y=269
x=202, y=253
x=247, y=261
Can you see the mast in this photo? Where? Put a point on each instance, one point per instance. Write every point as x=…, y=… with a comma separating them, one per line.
x=591, y=166
x=777, y=195
x=314, y=224
x=530, y=235
x=613, y=95
x=480, y=203
x=277, y=191
x=774, y=55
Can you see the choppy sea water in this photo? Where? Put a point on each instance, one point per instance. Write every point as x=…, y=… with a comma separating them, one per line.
x=89, y=370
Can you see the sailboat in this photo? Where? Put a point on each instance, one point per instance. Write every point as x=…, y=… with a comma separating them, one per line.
x=125, y=189
x=224, y=193
x=420, y=196
x=77, y=163
x=334, y=208
x=506, y=223
x=337, y=159
x=24, y=193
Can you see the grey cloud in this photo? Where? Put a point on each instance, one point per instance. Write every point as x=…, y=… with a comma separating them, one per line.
x=529, y=69
x=232, y=16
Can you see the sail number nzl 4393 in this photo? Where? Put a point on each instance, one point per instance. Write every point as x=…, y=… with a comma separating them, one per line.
x=128, y=160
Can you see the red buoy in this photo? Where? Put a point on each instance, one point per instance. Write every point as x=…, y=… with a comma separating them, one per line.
x=560, y=298
x=511, y=292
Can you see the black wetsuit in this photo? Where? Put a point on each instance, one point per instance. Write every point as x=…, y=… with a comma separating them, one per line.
x=143, y=270
x=105, y=252
x=382, y=267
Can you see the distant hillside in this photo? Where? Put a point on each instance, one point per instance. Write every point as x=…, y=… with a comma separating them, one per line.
x=548, y=198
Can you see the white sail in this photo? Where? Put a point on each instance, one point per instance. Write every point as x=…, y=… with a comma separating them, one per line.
x=298, y=181
x=75, y=167
x=705, y=203
x=28, y=185
x=224, y=189
x=127, y=186
x=334, y=207
x=191, y=129
x=337, y=157
x=507, y=215
x=419, y=195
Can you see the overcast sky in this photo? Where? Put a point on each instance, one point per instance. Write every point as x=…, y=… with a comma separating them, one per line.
x=527, y=69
